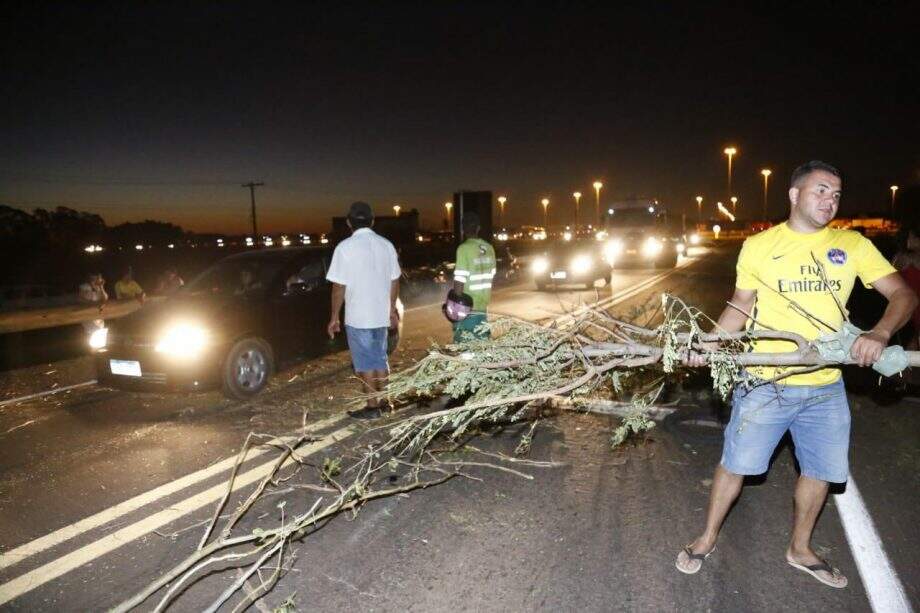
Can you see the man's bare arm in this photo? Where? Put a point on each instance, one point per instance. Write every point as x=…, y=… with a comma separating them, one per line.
x=394, y=296
x=336, y=302
x=732, y=319
x=902, y=301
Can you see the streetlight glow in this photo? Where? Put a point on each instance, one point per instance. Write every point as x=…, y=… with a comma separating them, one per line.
x=730, y=152
x=734, y=200
x=699, y=208
x=894, y=190
x=597, y=203
x=501, y=210
x=449, y=206
x=577, y=196
x=545, y=203
x=766, y=172
x=397, y=209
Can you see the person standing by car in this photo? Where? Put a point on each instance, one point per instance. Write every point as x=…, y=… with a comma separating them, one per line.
x=92, y=291
x=473, y=274
x=365, y=278
x=127, y=288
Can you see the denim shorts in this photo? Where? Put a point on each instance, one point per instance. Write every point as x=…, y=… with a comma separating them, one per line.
x=368, y=348
x=817, y=416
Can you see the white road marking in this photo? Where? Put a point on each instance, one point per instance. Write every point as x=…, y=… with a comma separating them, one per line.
x=47, y=392
x=53, y=539
x=884, y=589
x=71, y=561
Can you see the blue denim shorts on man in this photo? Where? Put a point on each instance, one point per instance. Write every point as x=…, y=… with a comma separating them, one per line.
x=368, y=348
x=818, y=417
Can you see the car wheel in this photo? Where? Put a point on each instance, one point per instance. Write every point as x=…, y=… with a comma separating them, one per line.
x=247, y=369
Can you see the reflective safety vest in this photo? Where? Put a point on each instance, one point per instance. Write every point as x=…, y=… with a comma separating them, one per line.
x=475, y=268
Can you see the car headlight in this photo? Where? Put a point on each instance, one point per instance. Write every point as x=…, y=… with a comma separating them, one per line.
x=183, y=341
x=99, y=338
x=566, y=236
x=652, y=246
x=581, y=264
x=694, y=239
x=681, y=248
x=612, y=250
x=540, y=265
x=600, y=235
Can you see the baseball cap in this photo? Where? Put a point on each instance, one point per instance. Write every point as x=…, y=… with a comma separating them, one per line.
x=361, y=211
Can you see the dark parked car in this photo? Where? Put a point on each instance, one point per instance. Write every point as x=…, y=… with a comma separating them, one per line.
x=229, y=327
x=575, y=262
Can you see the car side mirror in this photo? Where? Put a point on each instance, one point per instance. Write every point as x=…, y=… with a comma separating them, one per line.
x=295, y=289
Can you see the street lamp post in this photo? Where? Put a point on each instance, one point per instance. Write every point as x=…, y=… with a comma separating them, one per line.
x=501, y=211
x=730, y=152
x=448, y=206
x=699, y=209
x=597, y=202
x=397, y=209
x=766, y=172
x=577, y=196
x=545, y=203
x=894, y=191
x=734, y=200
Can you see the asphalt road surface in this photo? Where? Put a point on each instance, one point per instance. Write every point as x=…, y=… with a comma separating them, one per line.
x=102, y=490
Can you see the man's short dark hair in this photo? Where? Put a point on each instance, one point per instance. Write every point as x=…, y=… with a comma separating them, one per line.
x=360, y=215
x=809, y=167
x=471, y=224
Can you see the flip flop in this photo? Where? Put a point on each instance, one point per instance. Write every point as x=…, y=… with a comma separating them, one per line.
x=813, y=569
x=692, y=556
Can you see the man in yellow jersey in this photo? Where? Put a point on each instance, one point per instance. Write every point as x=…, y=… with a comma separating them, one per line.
x=473, y=275
x=804, y=261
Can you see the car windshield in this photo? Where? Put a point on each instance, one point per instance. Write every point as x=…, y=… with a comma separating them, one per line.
x=634, y=217
x=580, y=246
x=235, y=277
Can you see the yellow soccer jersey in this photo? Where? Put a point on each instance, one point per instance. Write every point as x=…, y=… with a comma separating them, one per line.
x=783, y=266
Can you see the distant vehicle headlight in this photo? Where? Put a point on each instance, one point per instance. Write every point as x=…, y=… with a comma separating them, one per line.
x=652, y=247
x=540, y=235
x=99, y=338
x=183, y=341
x=540, y=265
x=581, y=264
x=601, y=235
x=694, y=239
x=566, y=236
x=612, y=250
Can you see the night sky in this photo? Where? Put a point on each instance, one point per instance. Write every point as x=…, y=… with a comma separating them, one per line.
x=157, y=111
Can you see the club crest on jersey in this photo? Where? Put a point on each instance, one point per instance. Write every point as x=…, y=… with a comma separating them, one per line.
x=837, y=256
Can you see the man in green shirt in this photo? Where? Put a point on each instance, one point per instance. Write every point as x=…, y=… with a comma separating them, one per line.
x=473, y=275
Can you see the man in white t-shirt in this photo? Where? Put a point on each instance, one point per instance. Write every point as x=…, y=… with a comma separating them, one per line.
x=365, y=278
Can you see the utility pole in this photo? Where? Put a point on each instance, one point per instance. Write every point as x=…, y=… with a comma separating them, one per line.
x=252, y=196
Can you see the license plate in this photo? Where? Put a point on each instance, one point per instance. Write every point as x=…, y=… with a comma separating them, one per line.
x=631, y=251
x=129, y=368
x=557, y=275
